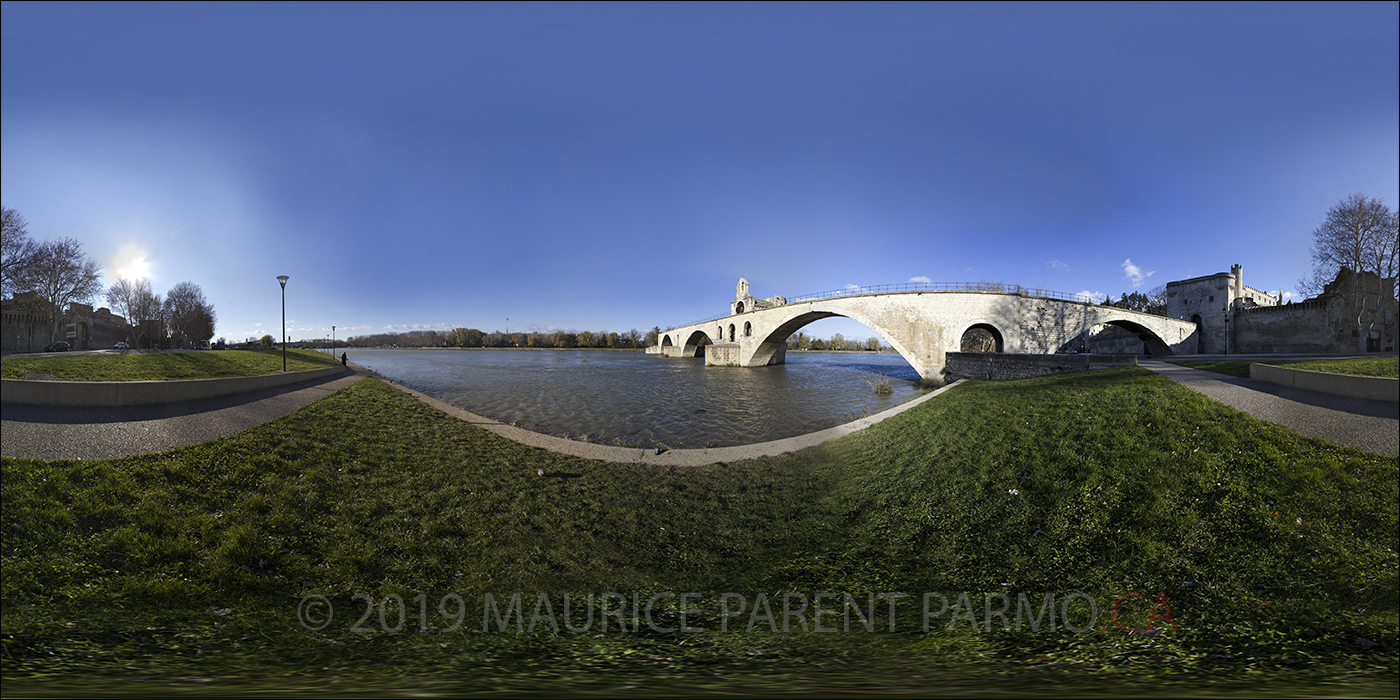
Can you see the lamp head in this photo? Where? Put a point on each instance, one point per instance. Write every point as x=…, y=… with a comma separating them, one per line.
x=283, y=279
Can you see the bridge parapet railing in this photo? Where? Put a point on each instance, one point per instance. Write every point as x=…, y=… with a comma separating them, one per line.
x=854, y=290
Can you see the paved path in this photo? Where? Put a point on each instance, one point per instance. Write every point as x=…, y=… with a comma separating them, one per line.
x=1373, y=426
x=107, y=432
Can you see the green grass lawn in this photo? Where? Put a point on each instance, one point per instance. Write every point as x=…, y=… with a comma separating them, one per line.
x=1366, y=367
x=163, y=365
x=184, y=571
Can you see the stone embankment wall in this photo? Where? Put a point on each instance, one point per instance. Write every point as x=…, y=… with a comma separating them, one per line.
x=995, y=365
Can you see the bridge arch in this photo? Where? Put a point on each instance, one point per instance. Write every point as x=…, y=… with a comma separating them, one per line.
x=1150, y=342
x=694, y=345
x=666, y=340
x=773, y=347
x=992, y=333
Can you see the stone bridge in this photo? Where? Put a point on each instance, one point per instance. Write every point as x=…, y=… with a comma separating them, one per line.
x=921, y=324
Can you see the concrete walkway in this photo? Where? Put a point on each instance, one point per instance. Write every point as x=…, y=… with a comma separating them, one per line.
x=52, y=432
x=1373, y=426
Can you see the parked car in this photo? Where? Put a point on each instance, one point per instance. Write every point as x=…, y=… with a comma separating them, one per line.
x=121, y=346
x=60, y=346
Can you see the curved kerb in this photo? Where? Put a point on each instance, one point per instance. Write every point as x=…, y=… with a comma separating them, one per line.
x=670, y=458
x=145, y=392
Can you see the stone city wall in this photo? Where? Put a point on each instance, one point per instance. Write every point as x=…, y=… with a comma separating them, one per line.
x=995, y=365
x=1308, y=327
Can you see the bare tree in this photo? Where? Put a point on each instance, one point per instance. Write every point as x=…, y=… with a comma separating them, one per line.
x=1361, y=235
x=188, y=314
x=145, y=304
x=121, y=297
x=61, y=275
x=1157, y=300
x=16, y=251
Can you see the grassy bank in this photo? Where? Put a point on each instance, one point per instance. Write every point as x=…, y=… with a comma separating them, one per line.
x=1368, y=367
x=1365, y=367
x=163, y=365
x=1275, y=553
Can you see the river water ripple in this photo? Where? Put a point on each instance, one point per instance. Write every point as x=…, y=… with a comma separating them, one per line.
x=631, y=398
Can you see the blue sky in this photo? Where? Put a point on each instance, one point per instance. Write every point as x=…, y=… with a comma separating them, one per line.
x=610, y=166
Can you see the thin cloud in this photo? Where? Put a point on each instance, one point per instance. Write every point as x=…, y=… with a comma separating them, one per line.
x=1134, y=273
x=1057, y=264
x=921, y=279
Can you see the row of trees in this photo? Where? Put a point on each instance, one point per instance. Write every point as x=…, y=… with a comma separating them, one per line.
x=1153, y=302
x=184, y=312
x=837, y=341
x=474, y=338
x=57, y=271
x=60, y=274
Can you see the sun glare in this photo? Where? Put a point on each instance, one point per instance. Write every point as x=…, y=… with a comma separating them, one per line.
x=135, y=269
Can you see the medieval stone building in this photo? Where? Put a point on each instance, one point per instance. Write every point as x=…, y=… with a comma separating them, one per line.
x=744, y=301
x=1234, y=318
x=1355, y=313
x=28, y=325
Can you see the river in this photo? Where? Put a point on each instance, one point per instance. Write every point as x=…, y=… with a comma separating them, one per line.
x=630, y=398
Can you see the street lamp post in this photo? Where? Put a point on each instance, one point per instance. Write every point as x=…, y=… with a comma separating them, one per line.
x=1227, y=330
x=332, y=342
x=283, y=280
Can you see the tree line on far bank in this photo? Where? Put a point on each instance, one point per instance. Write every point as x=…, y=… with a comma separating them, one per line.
x=474, y=338
x=632, y=339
